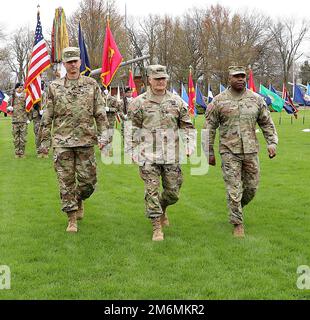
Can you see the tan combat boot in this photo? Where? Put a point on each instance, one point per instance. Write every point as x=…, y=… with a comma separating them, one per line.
x=80, y=211
x=239, y=231
x=72, y=224
x=157, y=232
x=164, y=218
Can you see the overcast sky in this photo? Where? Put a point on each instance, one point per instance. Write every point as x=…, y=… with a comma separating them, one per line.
x=18, y=13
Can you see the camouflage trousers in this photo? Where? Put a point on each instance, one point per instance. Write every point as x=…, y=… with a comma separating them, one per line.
x=19, y=131
x=241, y=176
x=172, y=179
x=111, y=119
x=36, y=130
x=76, y=173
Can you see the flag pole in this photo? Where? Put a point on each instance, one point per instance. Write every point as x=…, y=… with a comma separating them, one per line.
x=108, y=13
x=190, y=72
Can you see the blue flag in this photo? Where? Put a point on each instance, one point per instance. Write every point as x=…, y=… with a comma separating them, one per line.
x=174, y=91
x=199, y=98
x=279, y=93
x=1, y=96
x=298, y=95
x=222, y=88
x=210, y=94
x=184, y=95
x=267, y=99
x=85, y=65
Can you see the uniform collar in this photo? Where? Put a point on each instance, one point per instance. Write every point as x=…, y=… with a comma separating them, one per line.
x=67, y=81
x=155, y=98
x=235, y=95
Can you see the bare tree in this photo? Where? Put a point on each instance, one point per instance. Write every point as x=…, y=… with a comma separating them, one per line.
x=93, y=14
x=136, y=46
x=5, y=76
x=18, y=52
x=191, y=24
x=151, y=27
x=288, y=41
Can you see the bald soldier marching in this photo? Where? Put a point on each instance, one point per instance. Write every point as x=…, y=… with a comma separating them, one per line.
x=236, y=111
x=75, y=110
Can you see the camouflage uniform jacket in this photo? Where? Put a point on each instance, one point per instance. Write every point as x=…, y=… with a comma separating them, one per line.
x=72, y=109
x=236, y=116
x=160, y=118
x=20, y=115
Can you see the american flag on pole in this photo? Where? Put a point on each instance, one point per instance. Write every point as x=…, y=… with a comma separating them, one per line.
x=39, y=62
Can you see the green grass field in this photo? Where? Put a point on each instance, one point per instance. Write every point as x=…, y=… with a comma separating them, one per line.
x=113, y=257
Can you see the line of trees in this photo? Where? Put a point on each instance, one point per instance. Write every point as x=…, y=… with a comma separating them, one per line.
x=208, y=39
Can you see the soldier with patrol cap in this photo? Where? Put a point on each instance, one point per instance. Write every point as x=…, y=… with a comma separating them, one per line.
x=112, y=107
x=236, y=111
x=127, y=98
x=20, y=120
x=156, y=117
x=35, y=115
x=75, y=110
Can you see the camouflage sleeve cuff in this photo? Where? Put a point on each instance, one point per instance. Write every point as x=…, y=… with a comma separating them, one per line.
x=272, y=145
x=103, y=139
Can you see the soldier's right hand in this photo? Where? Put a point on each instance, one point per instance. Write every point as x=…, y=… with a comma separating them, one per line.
x=272, y=151
x=43, y=150
x=212, y=161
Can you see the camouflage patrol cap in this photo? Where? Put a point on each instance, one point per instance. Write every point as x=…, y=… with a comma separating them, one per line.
x=157, y=71
x=70, y=54
x=233, y=70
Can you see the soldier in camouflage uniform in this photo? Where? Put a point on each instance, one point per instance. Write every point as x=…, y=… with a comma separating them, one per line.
x=112, y=108
x=20, y=120
x=74, y=106
x=236, y=112
x=156, y=117
x=35, y=116
x=127, y=98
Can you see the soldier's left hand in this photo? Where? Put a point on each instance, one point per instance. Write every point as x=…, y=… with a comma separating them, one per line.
x=189, y=152
x=101, y=146
x=272, y=151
